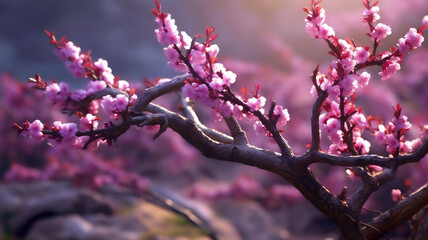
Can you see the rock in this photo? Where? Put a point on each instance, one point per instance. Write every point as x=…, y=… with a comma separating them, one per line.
x=251, y=220
x=75, y=227
x=24, y=204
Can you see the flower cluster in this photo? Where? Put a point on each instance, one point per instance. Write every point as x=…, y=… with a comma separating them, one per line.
x=343, y=122
x=211, y=81
x=315, y=22
x=105, y=90
x=392, y=135
x=81, y=64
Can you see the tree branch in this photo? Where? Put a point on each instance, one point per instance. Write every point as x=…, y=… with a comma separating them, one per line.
x=156, y=91
x=239, y=135
x=399, y=213
x=365, y=160
x=315, y=123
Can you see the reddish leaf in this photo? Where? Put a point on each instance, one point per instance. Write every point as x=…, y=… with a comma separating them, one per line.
x=244, y=92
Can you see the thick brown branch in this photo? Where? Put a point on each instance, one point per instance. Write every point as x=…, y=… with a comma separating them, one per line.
x=212, y=133
x=365, y=160
x=398, y=214
x=315, y=123
x=157, y=91
x=239, y=135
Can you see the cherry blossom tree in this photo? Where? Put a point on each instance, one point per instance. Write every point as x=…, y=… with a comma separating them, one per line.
x=108, y=108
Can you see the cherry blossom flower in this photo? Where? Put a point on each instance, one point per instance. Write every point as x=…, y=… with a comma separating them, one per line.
x=381, y=31
x=425, y=20
x=256, y=103
x=411, y=40
x=396, y=195
x=363, y=79
x=167, y=32
x=361, y=54
x=282, y=114
x=371, y=15
x=35, y=130
x=66, y=130
x=390, y=67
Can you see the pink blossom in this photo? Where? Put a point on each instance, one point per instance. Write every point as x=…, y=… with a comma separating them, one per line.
x=391, y=143
x=217, y=84
x=259, y=128
x=197, y=57
x=332, y=125
x=102, y=65
x=185, y=40
x=361, y=54
x=52, y=91
x=333, y=92
x=401, y=123
x=108, y=77
x=325, y=31
x=226, y=109
x=167, y=32
x=362, y=145
x=196, y=92
x=229, y=78
x=256, y=103
x=95, y=86
x=390, y=67
x=396, y=195
x=371, y=15
x=380, y=135
x=411, y=40
x=76, y=68
x=213, y=50
x=123, y=85
x=107, y=103
x=121, y=102
x=425, y=20
x=79, y=95
x=282, y=114
x=405, y=147
x=359, y=119
x=66, y=130
x=348, y=84
x=348, y=64
x=381, y=31
x=35, y=130
x=89, y=122
x=363, y=79
x=68, y=52
x=336, y=136
x=18, y=172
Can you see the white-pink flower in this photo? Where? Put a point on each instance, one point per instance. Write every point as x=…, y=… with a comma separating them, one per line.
x=35, y=130
x=121, y=102
x=282, y=114
x=411, y=40
x=381, y=31
x=371, y=14
x=102, y=65
x=332, y=125
x=363, y=79
x=66, y=130
x=390, y=67
x=361, y=54
x=401, y=123
x=380, y=135
x=396, y=195
x=256, y=103
x=89, y=122
x=391, y=143
x=425, y=20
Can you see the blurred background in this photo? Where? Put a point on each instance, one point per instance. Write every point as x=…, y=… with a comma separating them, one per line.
x=264, y=42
